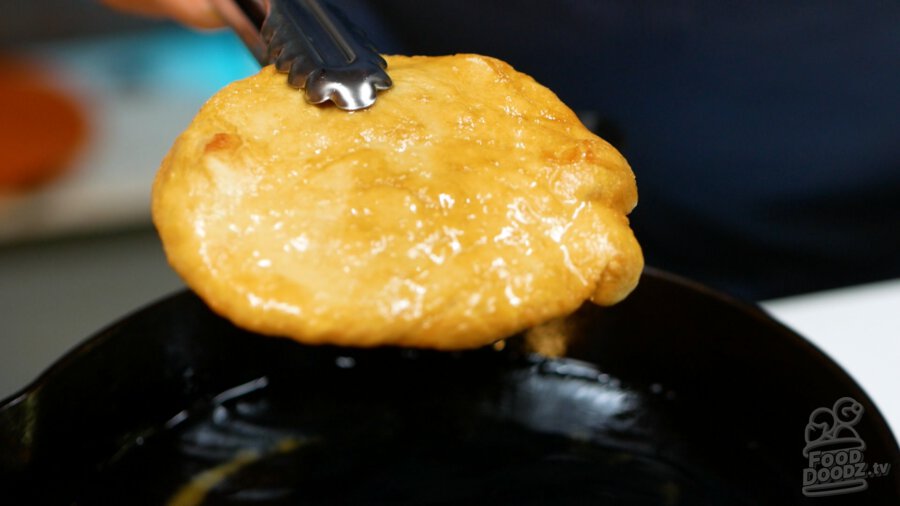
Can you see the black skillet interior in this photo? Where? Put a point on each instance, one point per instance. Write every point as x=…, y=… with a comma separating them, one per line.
x=677, y=396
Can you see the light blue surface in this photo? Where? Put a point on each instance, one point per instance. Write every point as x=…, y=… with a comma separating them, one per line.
x=194, y=63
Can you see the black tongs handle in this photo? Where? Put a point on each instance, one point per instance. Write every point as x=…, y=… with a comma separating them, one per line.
x=316, y=44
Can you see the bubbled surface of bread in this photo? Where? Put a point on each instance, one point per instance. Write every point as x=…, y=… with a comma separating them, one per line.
x=467, y=204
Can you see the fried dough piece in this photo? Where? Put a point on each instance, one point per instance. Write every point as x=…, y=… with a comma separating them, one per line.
x=467, y=204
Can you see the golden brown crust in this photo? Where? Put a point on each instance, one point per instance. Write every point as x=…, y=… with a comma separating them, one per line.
x=469, y=203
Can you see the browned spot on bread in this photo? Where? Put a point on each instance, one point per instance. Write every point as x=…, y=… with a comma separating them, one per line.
x=222, y=141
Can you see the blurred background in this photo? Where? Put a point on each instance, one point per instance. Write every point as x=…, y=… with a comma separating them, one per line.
x=90, y=102
x=765, y=137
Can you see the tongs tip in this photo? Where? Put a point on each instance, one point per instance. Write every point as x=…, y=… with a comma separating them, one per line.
x=347, y=92
x=322, y=52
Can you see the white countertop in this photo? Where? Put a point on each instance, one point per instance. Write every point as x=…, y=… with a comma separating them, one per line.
x=859, y=328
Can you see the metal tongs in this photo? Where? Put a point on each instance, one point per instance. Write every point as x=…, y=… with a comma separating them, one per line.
x=317, y=46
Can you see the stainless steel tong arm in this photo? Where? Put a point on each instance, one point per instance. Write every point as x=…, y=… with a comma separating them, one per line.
x=319, y=48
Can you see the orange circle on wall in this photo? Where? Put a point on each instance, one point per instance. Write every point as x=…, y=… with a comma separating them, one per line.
x=41, y=128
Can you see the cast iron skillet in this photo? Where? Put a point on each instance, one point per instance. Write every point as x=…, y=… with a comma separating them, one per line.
x=677, y=396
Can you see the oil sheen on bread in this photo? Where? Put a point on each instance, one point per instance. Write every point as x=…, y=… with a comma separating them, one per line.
x=469, y=203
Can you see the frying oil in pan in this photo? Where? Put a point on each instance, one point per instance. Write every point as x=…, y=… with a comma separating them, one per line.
x=547, y=433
